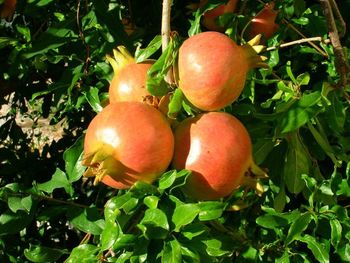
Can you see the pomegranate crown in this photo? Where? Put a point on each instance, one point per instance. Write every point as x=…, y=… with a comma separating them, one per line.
x=122, y=57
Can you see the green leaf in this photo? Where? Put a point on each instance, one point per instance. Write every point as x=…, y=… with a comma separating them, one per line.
x=336, y=232
x=83, y=253
x=175, y=104
x=172, y=179
x=303, y=79
x=151, y=201
x=6, y=41
x=261, y=149
x=283, y=259
x=317, y=249
x=154, y=224
x=298, y=227
x=58, y=180
x=109, y=235
x=92, y=96
x=43, y=254
x=184, y=215
x=210, y=210
x=88, y=220
x=124, y=241
x=15, y=203
x=73, y=157
x=11, y=223
x=215, y=248
x=124, y=202
x=301, y=112
x=297, y=163
x=194, y=230
x=172, y=252
x=336, y=113
x=271, y=221
x=152, y=47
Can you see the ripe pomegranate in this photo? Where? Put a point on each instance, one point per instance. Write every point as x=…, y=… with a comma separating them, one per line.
x=216, y=147
x=264, y=22
x=127, y=142
x=8, y=8
x=129, y=80
x=209, y=17
x=213, y=69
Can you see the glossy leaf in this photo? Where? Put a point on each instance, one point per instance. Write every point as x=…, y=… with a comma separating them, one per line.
x=184, y=215
x=43, y=254
x=298, y=227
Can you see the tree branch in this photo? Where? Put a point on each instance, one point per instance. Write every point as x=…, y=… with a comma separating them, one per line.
x=165, y=30
x=341, y=64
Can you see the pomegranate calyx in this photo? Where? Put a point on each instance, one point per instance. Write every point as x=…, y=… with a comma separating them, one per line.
x=252, y=50
x=122, y=57
x=99, y=163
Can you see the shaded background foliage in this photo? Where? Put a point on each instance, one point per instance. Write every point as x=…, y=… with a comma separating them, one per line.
x=54, y=78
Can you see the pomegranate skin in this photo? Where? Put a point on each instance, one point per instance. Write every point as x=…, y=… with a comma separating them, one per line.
x=127, y=142
x=209, y=17
x=216, y=147
x=212, y=70
x=264, y=22
x=130, y=83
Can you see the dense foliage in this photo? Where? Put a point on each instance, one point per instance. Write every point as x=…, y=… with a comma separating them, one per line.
x=55, y=78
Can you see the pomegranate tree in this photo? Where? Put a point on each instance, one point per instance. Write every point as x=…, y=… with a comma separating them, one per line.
x=213, y=69
x=129, y=80
x=210, y=17
x=127, y=142
x=216, y=147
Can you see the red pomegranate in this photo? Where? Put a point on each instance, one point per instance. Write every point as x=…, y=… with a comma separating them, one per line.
x=127, y=142
x=209, y=17
x=264, y=22
x=216, y=147
x=129, y=80
x=213, y=69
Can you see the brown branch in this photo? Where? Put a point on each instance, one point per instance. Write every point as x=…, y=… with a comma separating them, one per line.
x=339, y=17
x=299, y=41
x=341, y=64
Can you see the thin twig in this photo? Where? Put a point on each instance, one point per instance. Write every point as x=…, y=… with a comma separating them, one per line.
x=299, y=41
x=340, y=61
x=302, y=35
x=82, y=37
x=165, y=30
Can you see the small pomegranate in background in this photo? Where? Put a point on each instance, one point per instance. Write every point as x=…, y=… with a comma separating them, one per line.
x=127, y=142
x=216, y=147
x=209, y=17
x=213, y=69
x=264, y=22
x=7, y=9
x=129, y=80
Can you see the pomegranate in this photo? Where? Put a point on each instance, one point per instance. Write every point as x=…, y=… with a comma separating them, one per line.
x=216, y=147
x=264, y=22
x=129, y=80
x=209, y=17
x=127, y=142
x=213, y=69
x=8, y=8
